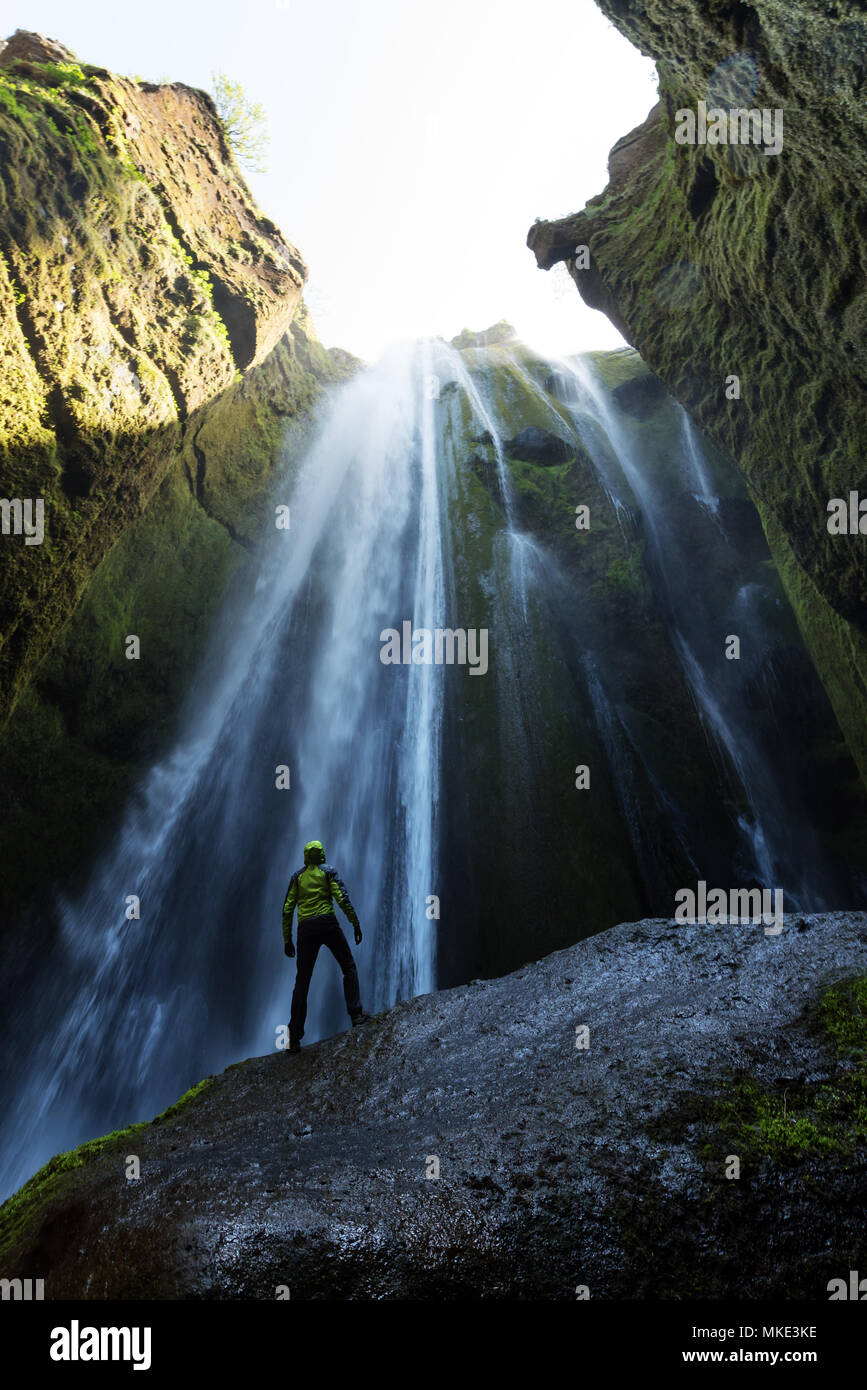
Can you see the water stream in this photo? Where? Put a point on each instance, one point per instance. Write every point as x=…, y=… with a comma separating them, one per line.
x=128, y=1013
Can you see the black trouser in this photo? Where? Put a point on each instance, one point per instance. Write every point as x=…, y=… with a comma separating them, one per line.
x=313, y=933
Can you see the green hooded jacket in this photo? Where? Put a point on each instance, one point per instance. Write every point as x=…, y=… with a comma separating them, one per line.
x=314, y=890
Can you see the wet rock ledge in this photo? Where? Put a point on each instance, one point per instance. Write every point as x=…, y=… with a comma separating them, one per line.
x=559, y=1165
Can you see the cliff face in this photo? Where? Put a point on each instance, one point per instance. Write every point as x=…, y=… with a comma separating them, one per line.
x=599, y=668
x=157, y=363
x=136, y=278
x=721, y=261
x=477, y=1142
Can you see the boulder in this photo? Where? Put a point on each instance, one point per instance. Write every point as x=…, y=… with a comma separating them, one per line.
x=26, y=47
x=479, y=1143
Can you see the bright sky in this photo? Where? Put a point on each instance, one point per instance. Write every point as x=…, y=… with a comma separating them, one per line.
x=412, y=145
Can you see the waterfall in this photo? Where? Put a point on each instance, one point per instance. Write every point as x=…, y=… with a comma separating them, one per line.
x=779, y=850
x=395, y=516
x=129, y=1013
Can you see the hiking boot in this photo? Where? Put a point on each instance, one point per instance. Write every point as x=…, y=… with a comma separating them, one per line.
x=294, y=1047
x=358, y=1019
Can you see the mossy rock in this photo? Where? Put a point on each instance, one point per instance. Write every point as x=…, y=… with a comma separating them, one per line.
x=719, y=262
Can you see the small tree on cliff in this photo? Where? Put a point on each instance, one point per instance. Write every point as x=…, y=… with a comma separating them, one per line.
x=243, y=122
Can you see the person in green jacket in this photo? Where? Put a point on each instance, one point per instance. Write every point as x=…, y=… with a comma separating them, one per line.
x=314, y=890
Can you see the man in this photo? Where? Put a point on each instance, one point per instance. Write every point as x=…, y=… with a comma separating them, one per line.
x=314, y=890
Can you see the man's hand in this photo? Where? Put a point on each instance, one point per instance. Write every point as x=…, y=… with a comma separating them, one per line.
x=289, y=948
x=358, y=937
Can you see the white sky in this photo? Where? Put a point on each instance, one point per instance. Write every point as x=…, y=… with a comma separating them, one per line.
x=412, y=145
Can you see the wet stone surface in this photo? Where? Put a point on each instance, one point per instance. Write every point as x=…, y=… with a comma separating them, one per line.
x=559, y=1165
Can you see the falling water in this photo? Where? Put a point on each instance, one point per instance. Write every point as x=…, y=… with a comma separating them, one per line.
x=133, y=1011
x=779, y=849
x=698, y=472
x=130, y=1012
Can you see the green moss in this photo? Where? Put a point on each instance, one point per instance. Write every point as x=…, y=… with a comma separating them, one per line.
x=130, y=410
x=521, y=734
x=192, y=1094
x=625, y=572
x=90, y=719
x=18, y=294
x=827, y=1117
x=201, y=281
x=838, y=648
x=118, y=351
x=843, y=1017
x=65, y=74
x=33, y=1201
x=807, y=1139
x=10, y=102
x=83, y=140
x=723, y=264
